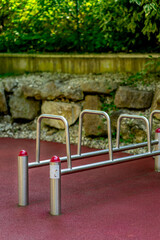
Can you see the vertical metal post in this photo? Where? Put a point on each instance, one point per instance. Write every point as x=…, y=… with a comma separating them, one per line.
x=23, y=178
x=55, y=186
x=157, y=147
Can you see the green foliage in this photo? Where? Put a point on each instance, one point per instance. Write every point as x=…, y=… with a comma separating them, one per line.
x=7, y=75
x=150, y=67
x=108, y=106
x=150, y=11
x=79, y=25
x=129, y=27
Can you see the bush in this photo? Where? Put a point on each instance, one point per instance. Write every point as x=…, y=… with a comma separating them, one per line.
x=79, y=26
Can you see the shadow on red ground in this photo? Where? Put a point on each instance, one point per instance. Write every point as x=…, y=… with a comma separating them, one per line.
x=115, y=202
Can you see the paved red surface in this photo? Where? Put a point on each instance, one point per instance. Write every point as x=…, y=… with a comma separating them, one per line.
x=116, y=202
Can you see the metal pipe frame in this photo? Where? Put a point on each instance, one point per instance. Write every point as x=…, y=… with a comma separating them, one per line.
x=151, y=118
x=61, y=118
x=108, y=162
x=133, y=117
x=80, y=155
x=92, y=154
x=87, y=111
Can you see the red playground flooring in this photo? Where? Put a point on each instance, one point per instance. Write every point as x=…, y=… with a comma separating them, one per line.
x=116, y=202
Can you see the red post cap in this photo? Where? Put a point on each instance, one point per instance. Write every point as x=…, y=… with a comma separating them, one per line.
x=158, y=130
x=23, y=153
x=55, y=159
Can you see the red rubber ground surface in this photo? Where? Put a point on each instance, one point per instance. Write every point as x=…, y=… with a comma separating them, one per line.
x=116, y=202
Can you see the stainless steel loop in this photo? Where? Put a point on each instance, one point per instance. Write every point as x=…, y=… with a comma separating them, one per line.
x=151, y=118
x=133, y=117
x=61, y=118
x=87, y=111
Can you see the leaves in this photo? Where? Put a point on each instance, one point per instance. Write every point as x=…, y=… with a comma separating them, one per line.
x=79, y=25
x=136, y=1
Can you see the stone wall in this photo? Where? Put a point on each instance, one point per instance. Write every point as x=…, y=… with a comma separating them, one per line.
x=27, y=96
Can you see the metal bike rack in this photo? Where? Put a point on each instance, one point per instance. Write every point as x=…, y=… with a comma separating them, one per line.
x=133, y=117
x=23, y=158
x=109, y=129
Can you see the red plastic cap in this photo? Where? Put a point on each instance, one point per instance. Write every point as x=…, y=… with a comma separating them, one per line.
x=23, y=153
x=158, y=130
x=55, y=159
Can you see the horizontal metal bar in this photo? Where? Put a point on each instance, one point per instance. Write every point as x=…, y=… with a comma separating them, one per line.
x=93, y=153
x=108, y=162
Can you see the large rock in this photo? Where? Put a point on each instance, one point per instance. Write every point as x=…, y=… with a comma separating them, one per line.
x=156, y=103
x=10, y=84
x=134, y=99
x=94, y=125
x=22, y=108
x=138, y=133
x=72, y=92
x=3, y=103
x=70, y=111
x=98, y=86
x=52, y=90
x=46, y=91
